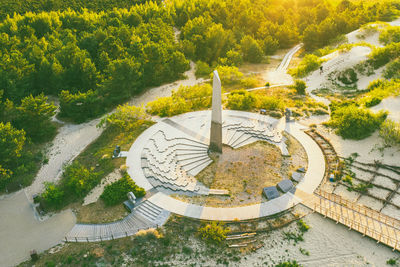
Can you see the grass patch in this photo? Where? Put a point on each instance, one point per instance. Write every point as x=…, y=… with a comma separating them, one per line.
x=91, y=213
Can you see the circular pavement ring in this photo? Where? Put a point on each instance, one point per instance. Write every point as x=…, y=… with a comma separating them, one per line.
x=312, y=178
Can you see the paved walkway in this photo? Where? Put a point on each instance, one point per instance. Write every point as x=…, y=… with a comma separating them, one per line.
x=288, y=57
x=20, y=232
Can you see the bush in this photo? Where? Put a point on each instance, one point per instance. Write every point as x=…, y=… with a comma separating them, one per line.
x=372, y=101
x=78, y=180
x=186, y=98
x=213, y=232
x=382, y=55
x=353, y=122
x=202, y=69
x=229, y=75
x=308, y=64
x=348, y=76
x=300, y=87
x=303, y=226
x=288, y=264
x=197, y=96
x=390, y=34
x=269, y=103
x=392, y=70
x=53, y=196
x=249, y=82
x=126, y=118
x=390, y=133
x=116, y=192
x=167, y=106
x=234, y=58
x=241, y=100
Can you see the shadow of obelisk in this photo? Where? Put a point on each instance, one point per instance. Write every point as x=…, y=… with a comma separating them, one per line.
x=216, y=116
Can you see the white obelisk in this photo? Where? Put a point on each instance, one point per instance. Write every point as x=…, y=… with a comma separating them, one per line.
x=216, y=116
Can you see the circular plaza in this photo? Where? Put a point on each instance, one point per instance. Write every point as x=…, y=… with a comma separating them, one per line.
x=172, y=161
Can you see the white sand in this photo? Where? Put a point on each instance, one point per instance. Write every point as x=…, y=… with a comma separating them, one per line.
x=369, y=37
x=366, y=148
x=337, y=62
x=94, y=195
x=391, y=104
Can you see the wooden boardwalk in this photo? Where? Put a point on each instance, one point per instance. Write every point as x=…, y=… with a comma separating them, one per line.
x=368, y=222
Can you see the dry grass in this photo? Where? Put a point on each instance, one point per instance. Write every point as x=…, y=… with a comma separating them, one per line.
x=98, y=212
x=246, y=171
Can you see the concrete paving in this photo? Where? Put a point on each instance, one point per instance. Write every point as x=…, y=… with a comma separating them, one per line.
x=20, y=232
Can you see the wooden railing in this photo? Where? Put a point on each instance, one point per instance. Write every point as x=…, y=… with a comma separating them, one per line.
x=382, y=228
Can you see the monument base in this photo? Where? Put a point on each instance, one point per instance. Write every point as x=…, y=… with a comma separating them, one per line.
x=216, y=137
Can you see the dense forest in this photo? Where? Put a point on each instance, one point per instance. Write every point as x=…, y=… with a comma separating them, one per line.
x=94, y=55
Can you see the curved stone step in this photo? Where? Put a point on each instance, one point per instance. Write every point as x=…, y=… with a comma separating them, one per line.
x=197, y=169
x=184, y=159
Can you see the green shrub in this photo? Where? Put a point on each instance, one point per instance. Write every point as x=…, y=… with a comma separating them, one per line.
x=213, y=232
x=229, y=75
x=348, y=76
x=288, y=264
x=186, y=98
x=197, y=96
x=361, y=187
x=167, y=106
x=234, y=58
x=390, y=133
x=269, y=102
x=302, y=226
x=126, y=118
x=348, y=179
x=353, y=122
x=375, y=84
x=372, y=101
x=392, y=70
x=382, y=55
x=308, y=64
x=53, y=196
x=390, y=34
x=249, y=82
x=202, y=69
x=300, y=87
x=391, y=261
x=78, y=180
x=241, y=100
x=116, y=192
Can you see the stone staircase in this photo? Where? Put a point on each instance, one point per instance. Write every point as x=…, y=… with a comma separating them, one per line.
x=243, y=133
x=172, y=163
x=146, y=215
